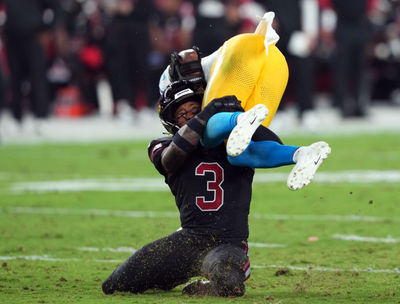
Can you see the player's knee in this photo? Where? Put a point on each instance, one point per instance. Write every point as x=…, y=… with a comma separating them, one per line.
x=223, y=266
x=228, y=280
x=113, y=284
x=108, y=287
x=124, y=281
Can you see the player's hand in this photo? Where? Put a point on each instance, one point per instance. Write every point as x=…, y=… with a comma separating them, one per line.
x=223, y=104
x=227, y=104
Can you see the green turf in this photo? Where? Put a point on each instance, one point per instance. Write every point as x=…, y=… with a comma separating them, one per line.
x=78, y=276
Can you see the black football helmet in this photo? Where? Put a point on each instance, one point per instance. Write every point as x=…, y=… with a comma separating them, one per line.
x=175, y=94
x=186, y=65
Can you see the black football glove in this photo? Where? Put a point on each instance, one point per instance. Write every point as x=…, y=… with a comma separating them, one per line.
x=223, y=104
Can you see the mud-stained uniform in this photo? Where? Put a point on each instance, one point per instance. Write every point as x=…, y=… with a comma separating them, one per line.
x=213, y=198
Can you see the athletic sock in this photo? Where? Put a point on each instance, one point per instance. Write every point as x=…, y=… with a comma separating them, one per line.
x=264, y=154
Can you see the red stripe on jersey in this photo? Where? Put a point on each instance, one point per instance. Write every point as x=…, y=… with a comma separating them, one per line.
x=246, y=266
x=153, y=153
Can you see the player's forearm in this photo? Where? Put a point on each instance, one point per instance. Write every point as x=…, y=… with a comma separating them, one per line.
x=183, y=144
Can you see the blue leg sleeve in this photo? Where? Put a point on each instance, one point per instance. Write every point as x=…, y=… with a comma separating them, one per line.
x=218, y=129
x=264, y=154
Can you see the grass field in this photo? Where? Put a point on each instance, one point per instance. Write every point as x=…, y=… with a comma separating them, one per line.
x=327, y=243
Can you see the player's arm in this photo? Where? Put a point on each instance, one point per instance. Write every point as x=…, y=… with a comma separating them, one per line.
x=186, y=140
x=168, y=154
x=183, y=144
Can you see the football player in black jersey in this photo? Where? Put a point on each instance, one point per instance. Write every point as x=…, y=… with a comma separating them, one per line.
x=212, y=195
x=213, y=198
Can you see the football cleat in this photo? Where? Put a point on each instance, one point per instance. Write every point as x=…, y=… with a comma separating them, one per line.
x=247, y=124
x=307, y=159
x=199, y=288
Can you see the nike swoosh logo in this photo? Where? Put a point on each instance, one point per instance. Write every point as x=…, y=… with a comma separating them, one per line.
x=251, y=122
x=316, y=161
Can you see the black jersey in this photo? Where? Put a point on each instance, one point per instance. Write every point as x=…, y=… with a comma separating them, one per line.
x=213, y=197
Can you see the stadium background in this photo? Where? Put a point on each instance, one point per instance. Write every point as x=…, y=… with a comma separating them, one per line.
x=98, y=79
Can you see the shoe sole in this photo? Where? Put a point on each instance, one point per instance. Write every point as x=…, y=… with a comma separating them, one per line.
x=240, y=137
x=304, y=171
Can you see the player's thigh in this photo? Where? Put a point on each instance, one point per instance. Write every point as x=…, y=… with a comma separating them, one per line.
x=169, y=261
x=164, y=263
x=236, y=69
x=271, y=83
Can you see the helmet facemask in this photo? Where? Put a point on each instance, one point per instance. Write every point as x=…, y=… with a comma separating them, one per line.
x=186, y=65
x=176, y=94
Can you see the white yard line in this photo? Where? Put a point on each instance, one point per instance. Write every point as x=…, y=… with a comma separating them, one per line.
x=109, y=184
x=90, y=212
x=157, y=184
x=119, y=249
x=263, y=245
x=366, y=239
x=47, y=258
x=174, y=214
x=328, y=269
x=356, y=176
x=322, y=218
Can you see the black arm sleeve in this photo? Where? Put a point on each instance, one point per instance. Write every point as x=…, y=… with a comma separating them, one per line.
x=155, y=150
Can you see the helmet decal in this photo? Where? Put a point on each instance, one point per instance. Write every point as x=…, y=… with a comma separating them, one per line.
x=183, y=93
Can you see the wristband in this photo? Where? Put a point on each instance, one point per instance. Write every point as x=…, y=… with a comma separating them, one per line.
x=183, y=144
x=206, y=113
x=196, y=126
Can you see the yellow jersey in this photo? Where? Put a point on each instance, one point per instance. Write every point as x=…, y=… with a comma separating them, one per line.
x=245, y=68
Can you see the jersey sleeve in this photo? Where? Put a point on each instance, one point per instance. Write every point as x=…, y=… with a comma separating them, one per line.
x=155, y=149
x=164, y=81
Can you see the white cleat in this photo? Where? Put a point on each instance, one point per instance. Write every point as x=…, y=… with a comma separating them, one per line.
x=247, y=124
x=308, y=159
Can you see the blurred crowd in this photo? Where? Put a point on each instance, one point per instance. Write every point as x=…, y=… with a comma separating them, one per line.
x=81, y=57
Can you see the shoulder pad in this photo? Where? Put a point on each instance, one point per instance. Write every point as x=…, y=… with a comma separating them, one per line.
x=163, y=140
x=157, y=144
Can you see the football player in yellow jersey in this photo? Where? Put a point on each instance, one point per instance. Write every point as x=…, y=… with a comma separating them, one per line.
x=248, y=64
x=252, y=68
